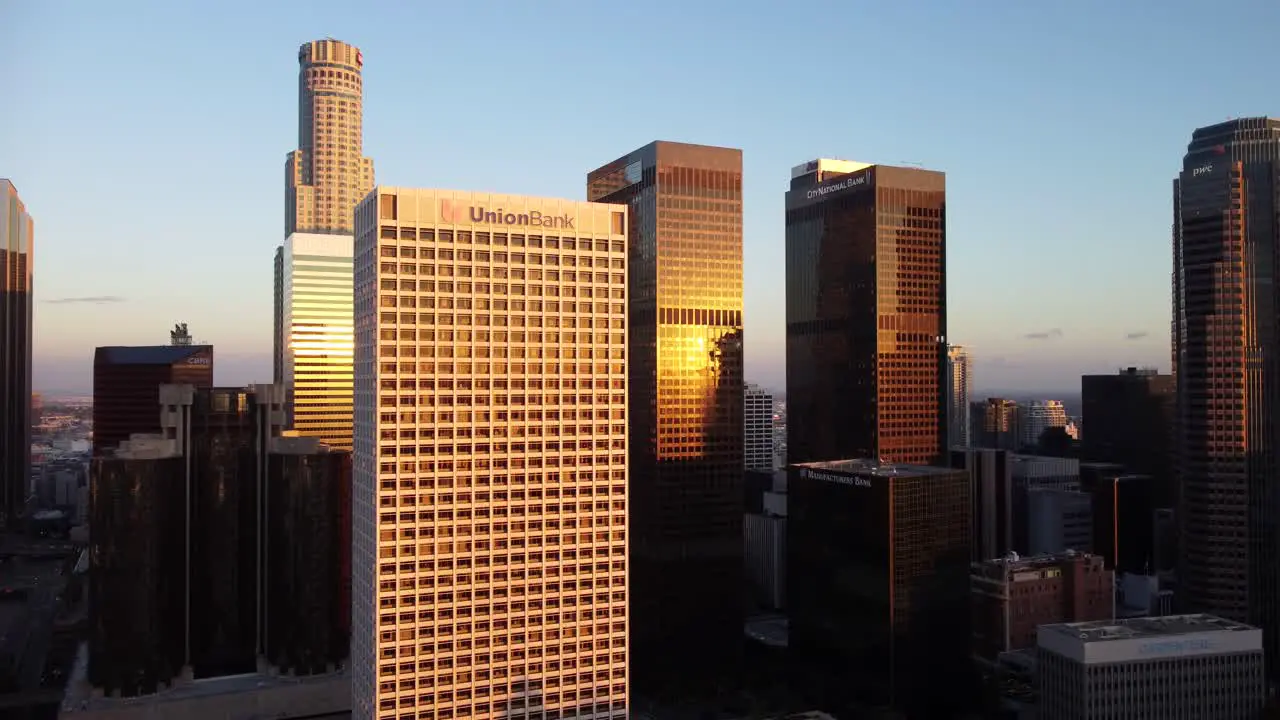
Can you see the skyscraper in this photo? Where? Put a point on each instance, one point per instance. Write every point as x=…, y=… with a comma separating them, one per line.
x=17, y=235
x=958, y=397
x=490, y=470
x=686, y=385
x=313, y=302
x=866, y=313
x=1226, y=360
x=324, y=180
x=328, y=174
x=758, y=430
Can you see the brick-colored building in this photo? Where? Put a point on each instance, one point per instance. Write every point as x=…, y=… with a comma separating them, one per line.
x=1012, y=596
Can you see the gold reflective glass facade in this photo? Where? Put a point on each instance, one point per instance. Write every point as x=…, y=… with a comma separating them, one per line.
x=685, y=311
x=327, y=175
x=316, y=335
x=490, y=471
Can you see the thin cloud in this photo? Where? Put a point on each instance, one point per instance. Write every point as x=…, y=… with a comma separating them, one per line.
x=92, y=300
x=1136, y=335
x=1044, y=334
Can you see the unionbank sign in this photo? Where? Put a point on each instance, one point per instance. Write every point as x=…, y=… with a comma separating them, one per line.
x=452, y=211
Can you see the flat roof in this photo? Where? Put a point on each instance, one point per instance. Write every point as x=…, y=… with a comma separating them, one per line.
x=147, y=354
x=1144, y=628
x=876, y=468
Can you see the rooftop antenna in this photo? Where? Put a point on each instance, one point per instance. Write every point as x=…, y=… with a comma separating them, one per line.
x=179, y=337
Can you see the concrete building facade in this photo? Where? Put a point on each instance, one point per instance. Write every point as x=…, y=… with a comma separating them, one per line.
x=490, y=494
x=1181, y=667
x=328, y=174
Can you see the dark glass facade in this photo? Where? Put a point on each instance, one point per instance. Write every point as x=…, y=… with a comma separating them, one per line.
x=17, y=237
x=1124, y=508
x=1129, y=419
x=138, y=571
x=228, y=436
x=126, y=387
x=878, y=585
x=307, y=601
x=866, y=316
x=685, y=375
x=996, y=424
x=1226, y=234
x=993, y=496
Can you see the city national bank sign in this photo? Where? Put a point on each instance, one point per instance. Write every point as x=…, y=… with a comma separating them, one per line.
x=853, y=480
x=451, y=211
x=845, y=184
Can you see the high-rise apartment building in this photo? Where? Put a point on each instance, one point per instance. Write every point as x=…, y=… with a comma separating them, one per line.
x=866, y=313
x=686, y=383
x=314, y=331
x=757, y=420
x=490, y=506
x=898, y=635
x=1037, y=416
x=126, y=387
x=17, y=262
x=995, y=424
x=1128, y=420
x=1226, y=361
x=328, y=174
x=958, y=377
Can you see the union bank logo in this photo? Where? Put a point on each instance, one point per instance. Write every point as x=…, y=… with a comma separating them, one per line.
x=452, y=212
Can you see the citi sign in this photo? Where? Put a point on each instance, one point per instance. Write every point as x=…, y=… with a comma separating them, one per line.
x=451, y=212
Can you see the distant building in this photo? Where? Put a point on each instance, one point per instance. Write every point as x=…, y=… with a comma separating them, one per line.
x=758, y=440
x=1039, y=415
x=1012, y=596
x=765, y=533
x=1058, y=520
x=1130, y=421
x=993, y=497
x=995, y=424
x=126, y=387
x=877, y=582
x=1037, y=471
x=1181, y=666
x=958, y=379
x=1123, y=516
x=17, y=262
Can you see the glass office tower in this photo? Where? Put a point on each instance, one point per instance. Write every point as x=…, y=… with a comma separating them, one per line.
x=686, y=374
x=17, y=234
x=1226, y=364
x=313, y=321
x=866, y=313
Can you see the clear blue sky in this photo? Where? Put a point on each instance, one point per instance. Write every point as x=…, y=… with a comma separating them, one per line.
x=148, y=139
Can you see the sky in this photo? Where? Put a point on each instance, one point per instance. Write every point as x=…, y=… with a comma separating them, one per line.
x=148, y=140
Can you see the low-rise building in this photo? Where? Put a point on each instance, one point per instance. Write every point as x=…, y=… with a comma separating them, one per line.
x=1181, y=667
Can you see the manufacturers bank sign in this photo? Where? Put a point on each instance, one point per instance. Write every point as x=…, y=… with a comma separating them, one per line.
x=456, y=212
